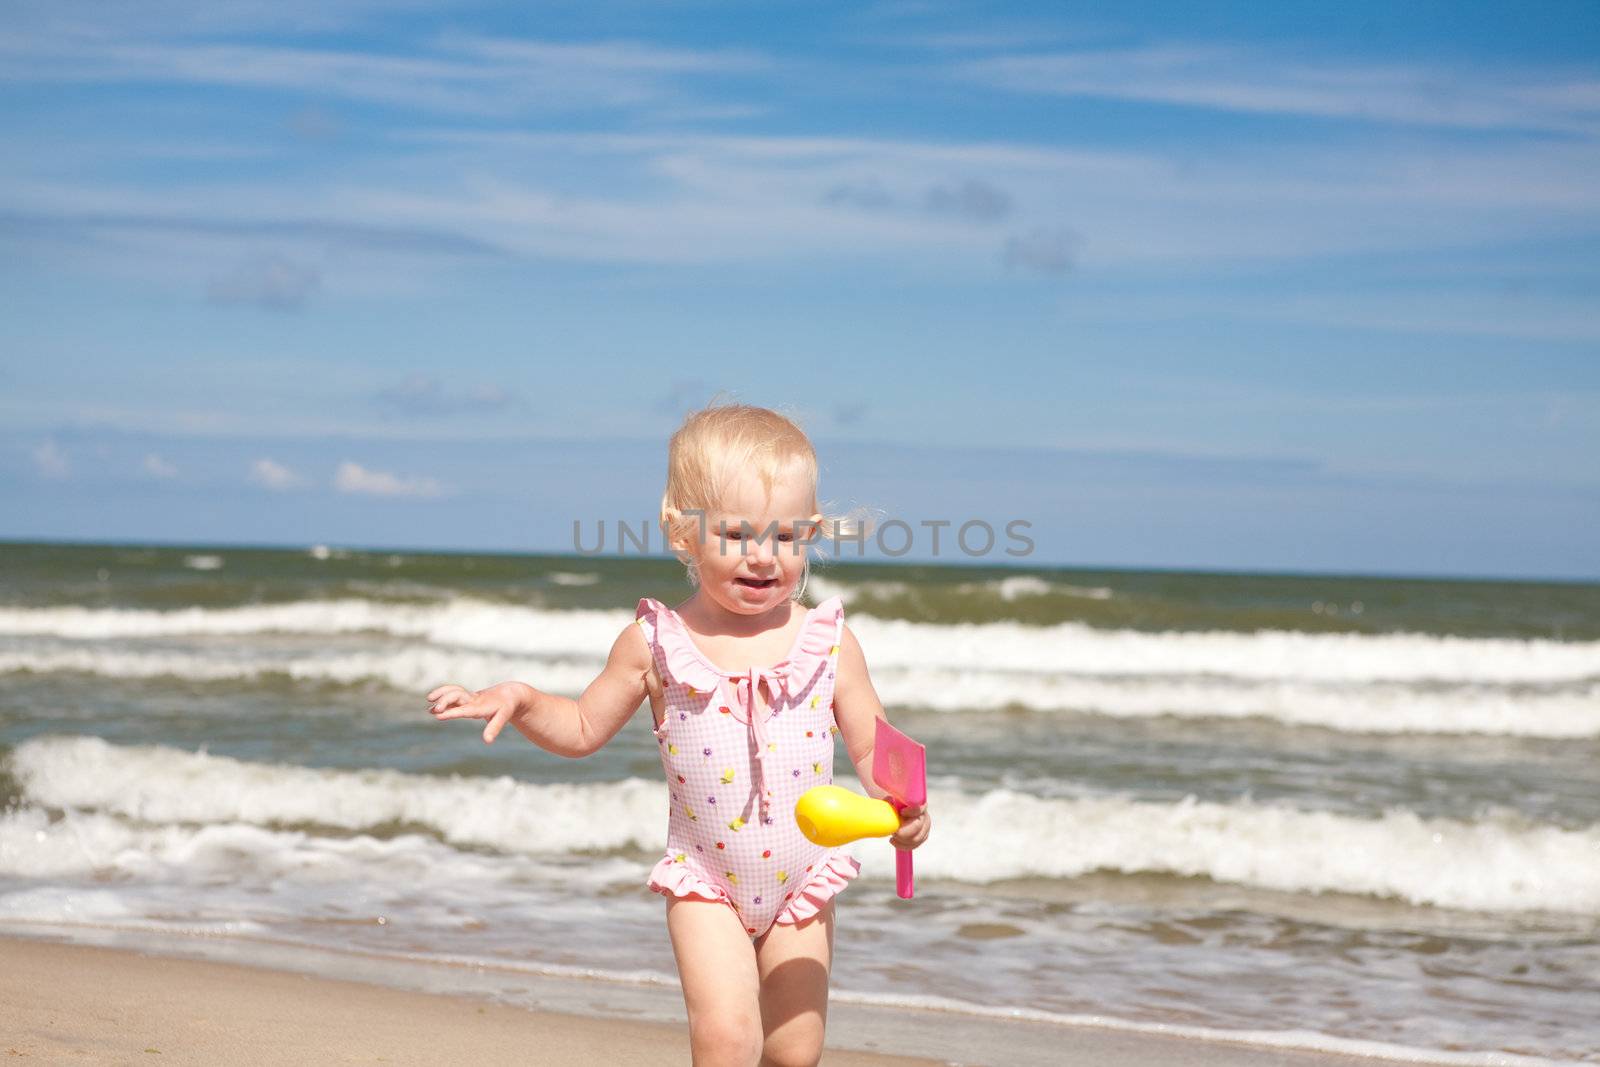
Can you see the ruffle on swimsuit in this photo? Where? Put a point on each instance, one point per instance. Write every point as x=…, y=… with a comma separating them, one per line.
x=814, y=646
x=673, y=879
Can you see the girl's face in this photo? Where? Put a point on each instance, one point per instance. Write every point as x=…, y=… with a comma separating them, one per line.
x=751, y=554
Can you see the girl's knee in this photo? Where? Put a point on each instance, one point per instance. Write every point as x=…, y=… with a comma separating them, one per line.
x=725, y=1037
x=795, y=1047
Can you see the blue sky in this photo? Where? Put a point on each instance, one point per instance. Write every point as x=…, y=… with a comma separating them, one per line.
x=1305, y=287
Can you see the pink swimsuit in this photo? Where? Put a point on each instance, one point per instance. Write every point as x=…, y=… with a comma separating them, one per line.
x=735, y=773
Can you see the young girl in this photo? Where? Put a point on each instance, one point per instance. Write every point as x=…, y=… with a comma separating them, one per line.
x=746, y=689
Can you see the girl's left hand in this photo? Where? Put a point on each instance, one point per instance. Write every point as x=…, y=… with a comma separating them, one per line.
x=915, y=822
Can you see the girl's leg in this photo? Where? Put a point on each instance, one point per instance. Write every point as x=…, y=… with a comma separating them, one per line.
x=721, y=991
x=793, y=963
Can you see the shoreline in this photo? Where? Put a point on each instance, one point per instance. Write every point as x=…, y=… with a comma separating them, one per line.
x=220, y=1000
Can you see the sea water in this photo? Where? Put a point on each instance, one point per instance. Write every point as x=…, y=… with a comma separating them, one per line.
x=1342, y=812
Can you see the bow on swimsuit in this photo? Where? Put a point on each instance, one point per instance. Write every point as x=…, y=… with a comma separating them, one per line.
x=735, y=766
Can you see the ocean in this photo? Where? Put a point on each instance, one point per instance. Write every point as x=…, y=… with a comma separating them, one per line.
x=1358, y=814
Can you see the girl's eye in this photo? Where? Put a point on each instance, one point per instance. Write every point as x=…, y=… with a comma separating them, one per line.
x=786, y=538
x=732, y=535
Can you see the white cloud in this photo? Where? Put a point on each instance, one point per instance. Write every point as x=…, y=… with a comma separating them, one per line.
x=1254, y=81
x=605, y=56
x=705, y=198
x=273, y=475
x=697, y=198
x=455, y=74
x=130, y=19
x=156, y=467
x=354, y=478
x=50, y=461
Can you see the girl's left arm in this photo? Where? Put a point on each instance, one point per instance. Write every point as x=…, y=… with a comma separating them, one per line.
x=856, y=708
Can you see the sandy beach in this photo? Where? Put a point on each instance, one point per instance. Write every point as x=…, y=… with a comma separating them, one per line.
x=82, y=1004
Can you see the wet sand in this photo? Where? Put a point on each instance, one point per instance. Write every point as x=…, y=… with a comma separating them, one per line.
x=84, y=1004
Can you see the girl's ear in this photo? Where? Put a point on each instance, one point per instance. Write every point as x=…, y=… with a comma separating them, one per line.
x=673, y=531
x=682, y=546
x=814, y=532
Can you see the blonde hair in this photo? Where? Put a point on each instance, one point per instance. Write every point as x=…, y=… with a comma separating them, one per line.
x=715, y=443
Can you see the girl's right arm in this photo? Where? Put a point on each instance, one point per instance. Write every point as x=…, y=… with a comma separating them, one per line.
x=567, y=727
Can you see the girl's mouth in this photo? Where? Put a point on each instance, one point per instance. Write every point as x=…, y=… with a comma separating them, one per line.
x=757, y=583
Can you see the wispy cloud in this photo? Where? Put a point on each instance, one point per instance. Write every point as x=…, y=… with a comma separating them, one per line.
x=1227, y=78
x=240, y=222
x=180, y=18
x=720, y=199
x=424, y=394
x=354, y=478
x=242, y=416
x=274, y=475
x=706, y=198
x=155, y=467
x=455, y=73
x=605, y=57
x=50, y=461
x=1403, y=309
x=984, y=40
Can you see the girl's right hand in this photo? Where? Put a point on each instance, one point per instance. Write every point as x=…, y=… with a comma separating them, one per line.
x=498, y=704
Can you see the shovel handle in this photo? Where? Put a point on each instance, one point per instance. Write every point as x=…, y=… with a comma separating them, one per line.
x=904, y=883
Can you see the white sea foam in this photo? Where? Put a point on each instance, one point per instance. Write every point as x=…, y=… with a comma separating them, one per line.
x=313, y=616
x=1390, y=707
x=1569, y=711
x=819, y=589
x=568, y=578
x=1265, y=655
x=414, y=671
x=1018, y=586
x=108, y=847
x=1065, y=648
x=461, y=623
x=160, y=785
x=1500, y=862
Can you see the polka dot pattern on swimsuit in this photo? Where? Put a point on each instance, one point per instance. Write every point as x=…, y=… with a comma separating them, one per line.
x=731, y=833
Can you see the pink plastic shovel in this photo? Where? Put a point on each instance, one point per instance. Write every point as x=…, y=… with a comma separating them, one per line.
x=900, y=768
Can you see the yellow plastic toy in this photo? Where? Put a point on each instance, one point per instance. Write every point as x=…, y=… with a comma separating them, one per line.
x=831, y=815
